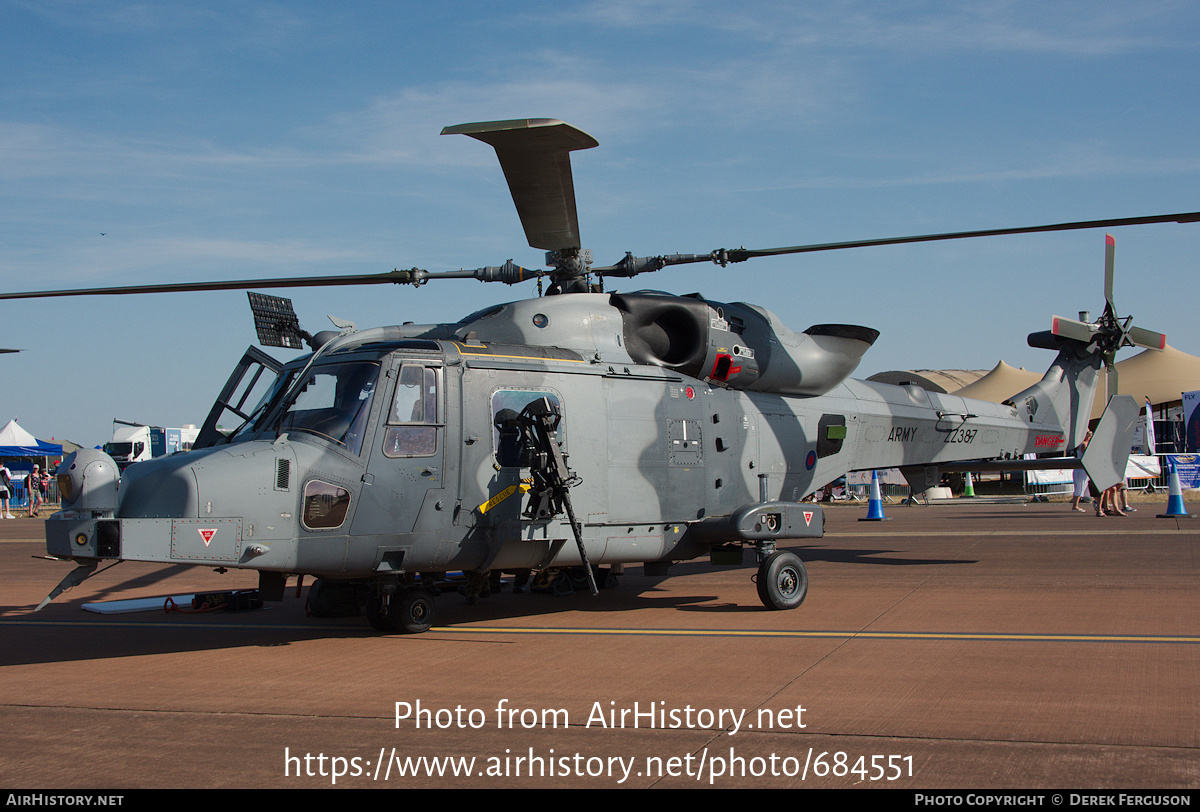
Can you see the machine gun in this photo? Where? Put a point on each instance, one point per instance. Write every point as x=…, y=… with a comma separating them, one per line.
x=552, y=479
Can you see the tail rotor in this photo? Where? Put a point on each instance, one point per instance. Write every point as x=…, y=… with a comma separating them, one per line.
x=1110, y=332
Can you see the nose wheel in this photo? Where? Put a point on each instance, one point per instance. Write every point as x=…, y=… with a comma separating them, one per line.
x=410, y=611
x=782, y=580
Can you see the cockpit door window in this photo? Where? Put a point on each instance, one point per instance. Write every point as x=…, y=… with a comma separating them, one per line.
x=413, y=418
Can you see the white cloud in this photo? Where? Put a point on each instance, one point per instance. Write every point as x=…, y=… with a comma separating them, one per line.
x=1073, y=28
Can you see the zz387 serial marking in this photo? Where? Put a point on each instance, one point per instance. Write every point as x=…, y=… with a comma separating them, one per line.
x=961, y=435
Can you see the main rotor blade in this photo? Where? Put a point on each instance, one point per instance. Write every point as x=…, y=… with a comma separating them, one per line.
x=397, y=277
x=509, y=273
x=1110, y=252
x=740, y=254
x=535, y=155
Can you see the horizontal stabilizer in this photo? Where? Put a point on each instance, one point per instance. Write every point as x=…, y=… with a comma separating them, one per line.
x=1108, y=451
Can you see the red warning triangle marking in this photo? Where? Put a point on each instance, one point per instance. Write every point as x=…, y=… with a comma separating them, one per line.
x=207, y=534
x=808, y=514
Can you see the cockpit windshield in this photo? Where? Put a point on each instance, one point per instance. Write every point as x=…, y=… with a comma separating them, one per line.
x=334, y=402
x=253, y=421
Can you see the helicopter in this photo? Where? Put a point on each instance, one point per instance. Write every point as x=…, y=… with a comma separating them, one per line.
x=577, y=429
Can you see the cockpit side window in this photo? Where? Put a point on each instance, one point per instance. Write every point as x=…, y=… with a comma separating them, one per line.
x=257, y=415
x=413, y=418
x=257, y=376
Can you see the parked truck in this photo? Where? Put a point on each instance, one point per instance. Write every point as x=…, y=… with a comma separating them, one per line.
x=134, y=442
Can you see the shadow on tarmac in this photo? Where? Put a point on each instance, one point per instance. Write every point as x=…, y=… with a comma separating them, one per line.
x=63, y=632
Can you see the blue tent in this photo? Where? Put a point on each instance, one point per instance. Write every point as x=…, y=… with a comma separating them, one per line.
x=16, y=442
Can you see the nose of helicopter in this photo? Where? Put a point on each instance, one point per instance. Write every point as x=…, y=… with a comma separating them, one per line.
x=199, y=506
x=159, y=488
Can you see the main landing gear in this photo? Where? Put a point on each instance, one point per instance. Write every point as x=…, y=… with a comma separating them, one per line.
x=396, y=608
x=782, y=580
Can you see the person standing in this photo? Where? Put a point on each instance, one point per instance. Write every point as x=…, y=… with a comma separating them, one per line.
x=37, y=488
x=1080, y=477
x=6, y=490
x=1109, y=503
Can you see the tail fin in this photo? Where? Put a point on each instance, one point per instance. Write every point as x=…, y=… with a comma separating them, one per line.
x=1062, y=399
x=1108, y=452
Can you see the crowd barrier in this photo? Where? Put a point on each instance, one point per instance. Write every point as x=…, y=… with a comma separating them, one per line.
x=1052, y=482
x=892, y=485
x=20, y=496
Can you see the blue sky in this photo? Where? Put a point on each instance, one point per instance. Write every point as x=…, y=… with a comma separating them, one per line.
x=148, y=142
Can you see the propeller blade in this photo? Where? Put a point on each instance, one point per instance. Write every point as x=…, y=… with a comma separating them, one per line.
x=1111, y=383
x=535, y=155
x=1110, y=251
x=1070, y=328
x=1146, y=338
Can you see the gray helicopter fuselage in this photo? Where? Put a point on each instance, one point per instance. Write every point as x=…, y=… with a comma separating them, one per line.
x=571, y=428
x=417, y=471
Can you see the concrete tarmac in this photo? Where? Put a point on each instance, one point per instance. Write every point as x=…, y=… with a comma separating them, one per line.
x=958, y=646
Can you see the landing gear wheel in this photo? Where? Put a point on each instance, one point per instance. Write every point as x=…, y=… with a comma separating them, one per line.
x=412, y=611
x=782, y=581
x=378, y=615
